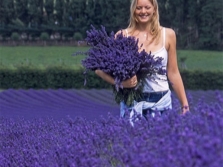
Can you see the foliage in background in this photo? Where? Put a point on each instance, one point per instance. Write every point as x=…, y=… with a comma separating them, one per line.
x=15, y=36
x=198, y=24
x=77, y=36
x=67, y=78
x=44, y=36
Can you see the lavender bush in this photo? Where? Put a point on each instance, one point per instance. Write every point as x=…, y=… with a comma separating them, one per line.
x=191, y=140
x=119, y=57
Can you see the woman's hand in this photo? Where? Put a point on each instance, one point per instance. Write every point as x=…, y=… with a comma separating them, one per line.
x=185, y=109
x=130, y=83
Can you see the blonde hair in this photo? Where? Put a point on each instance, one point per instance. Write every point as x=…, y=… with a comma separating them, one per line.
x=155, y=24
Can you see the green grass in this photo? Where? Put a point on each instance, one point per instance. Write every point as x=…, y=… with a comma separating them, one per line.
x=42, y=57
x=202, y=60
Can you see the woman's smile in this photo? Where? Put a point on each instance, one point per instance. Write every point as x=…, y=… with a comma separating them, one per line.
x=143, y=16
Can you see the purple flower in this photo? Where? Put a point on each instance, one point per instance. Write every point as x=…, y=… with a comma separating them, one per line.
x=194, y=139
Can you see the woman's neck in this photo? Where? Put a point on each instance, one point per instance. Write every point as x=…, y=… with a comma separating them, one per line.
x=143, y=27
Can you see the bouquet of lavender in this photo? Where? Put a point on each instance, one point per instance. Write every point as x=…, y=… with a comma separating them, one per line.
x=119, y=57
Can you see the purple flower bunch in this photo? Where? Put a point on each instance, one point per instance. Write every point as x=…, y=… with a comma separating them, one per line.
x=119, y=57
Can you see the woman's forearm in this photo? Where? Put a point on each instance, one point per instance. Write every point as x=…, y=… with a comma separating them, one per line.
x=129, y=83
x=105, y=76
x=178, y=87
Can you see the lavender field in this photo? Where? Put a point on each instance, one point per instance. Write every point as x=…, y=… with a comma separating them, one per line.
x=81, y=128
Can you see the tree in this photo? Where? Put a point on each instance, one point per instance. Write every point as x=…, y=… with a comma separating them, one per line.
x=198, y=23
x=77, y=16
x=211, y=26
x=7, y=11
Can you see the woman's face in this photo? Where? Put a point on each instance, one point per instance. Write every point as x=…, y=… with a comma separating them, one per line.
x=144, y=11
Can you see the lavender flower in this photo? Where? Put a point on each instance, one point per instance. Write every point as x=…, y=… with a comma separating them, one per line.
x=191, y=140
x=119, y=57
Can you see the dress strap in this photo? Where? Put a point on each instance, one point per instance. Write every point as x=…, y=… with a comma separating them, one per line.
x=164, y=36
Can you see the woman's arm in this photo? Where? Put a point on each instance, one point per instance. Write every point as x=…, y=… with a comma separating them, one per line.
x=129, y=83
x=173, y=71
x=105, y=77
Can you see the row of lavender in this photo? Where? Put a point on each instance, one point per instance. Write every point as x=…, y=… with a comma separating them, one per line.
x=192, y=140
x=56, y=104
x=60, y=103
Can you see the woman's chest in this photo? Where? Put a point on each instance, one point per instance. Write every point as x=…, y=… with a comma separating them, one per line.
x=149, y=46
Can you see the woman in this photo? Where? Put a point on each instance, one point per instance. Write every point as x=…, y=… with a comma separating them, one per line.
x=144, y=25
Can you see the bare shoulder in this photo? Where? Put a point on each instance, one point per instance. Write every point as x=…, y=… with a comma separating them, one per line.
x=123, y=31
x=118, y=32
x=170, y=39
x=170, y=33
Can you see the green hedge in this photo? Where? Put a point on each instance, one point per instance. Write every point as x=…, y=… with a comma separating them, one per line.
x=50, y=78
x=202, y=80
x=54, y=78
